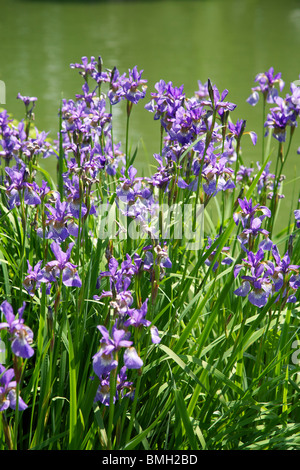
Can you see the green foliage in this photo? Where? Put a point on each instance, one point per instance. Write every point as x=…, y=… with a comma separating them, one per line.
x=221, y=378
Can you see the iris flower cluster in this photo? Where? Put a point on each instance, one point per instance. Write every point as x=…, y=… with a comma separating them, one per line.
x=280, y=117
x=132, y=88
x=202, y=119
x=263, y=277
x=266, y=86
x=59, y=269
x=24, y=150
x=17, y=140
x=198, y=147
x=109, y=356
x=286, y=110
x=267, y=278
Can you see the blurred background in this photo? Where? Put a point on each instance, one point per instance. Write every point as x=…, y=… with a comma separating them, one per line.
x=182, y=41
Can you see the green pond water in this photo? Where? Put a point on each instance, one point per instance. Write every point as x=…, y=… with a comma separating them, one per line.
x=228, y=42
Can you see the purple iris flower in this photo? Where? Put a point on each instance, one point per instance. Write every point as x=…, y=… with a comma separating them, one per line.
x=124, y=388
x=279, y=118
x=266, y=82
x=170, y=100
x=161, y=257
x=251, y=222
x=280, y=274
x=182, y=127
x=293, y=99
x=32, y=279
x=217, y=176
x=100, y=120
x=259, y=294
x=157, y=104
x=294, y=281
x=99, y=76
x=163, y=176
x=72, y=115
x=121, y=302
x=53, y=269
x=267, y=277
x=202, y=91
x=104, y=360
x=116, y=91
x=18, y=184
x=11, y=139
x=43, y=190
x=111, y=273
x=155, y=338
x=186, y=122
x=244, y=175
x=118, y=340
x=10, y=146
x=27, y=100
x=114, y=157
x=196, y=113
x=248, y=211
x=256, y=286
x=132, y=359
x=103, y=363
x=217, y=102
x=20, y=334
x=238, y=129
x=253, y=230
x=165, y=102
x=34, y=146
x=88, y=96
x=120, y=278
x=88, y=67
x=57, y=222
x=136, y=317
x=266, y=180
x=75, y=206
x=103, y=391
x=134, y=87
x=4, y=120
x=130, y=185
x=8, y=396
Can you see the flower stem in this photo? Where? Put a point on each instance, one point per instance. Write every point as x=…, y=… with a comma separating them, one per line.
x=129, y=108
x=7, y=432
x=263, y=128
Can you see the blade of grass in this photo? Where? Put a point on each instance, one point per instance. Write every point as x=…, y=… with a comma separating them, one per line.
x=133, y=443
x=73, y=391
x=186, y=421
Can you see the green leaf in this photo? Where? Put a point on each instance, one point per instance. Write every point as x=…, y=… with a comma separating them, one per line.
x=73, y=390
x=186, y=421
